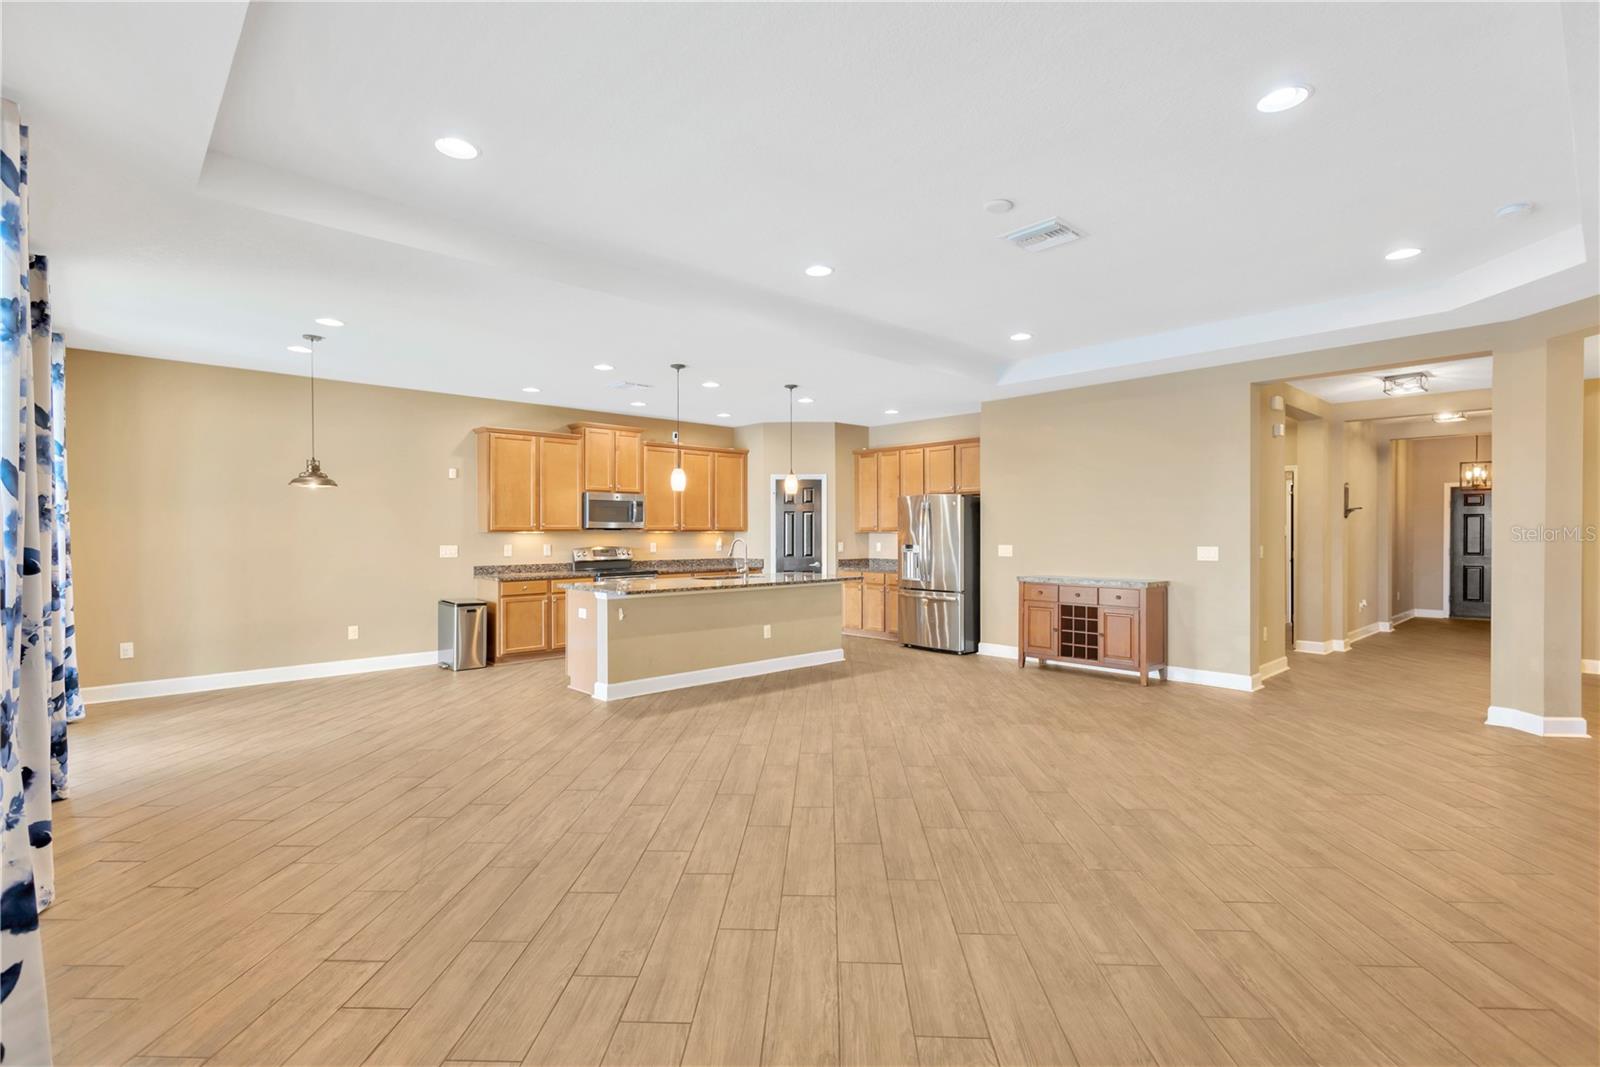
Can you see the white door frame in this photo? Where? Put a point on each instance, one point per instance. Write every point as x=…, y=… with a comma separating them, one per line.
x=1291, y=506
x=829, y=557
x=1444, y=566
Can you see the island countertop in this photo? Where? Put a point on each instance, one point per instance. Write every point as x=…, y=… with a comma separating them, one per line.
x=614, y=588
x=1107, y=583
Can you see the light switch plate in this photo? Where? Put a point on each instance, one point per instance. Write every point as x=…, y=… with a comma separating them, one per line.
x=1206, y=553
x=505, y=550
x=448, y=552
x=125, y=650
x=1005, y=550
x=352, y=633
x=839, y=547
x=547, y=548
x=719, y=544
x=766, y=631
x=583, y=613
x=452, y=473
x=652, y=546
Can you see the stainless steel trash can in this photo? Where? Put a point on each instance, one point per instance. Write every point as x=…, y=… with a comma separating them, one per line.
x=463, y=634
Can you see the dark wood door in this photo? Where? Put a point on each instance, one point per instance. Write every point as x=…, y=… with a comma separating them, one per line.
x=1039, y=630
x=1119, y=641
x=1471, y=553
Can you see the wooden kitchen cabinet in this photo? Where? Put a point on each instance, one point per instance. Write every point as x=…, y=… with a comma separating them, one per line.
x=967, y=467
x=873, y=607
x=613, y=458
x=694, y=509
x=1123, y=627
x=661, y=511
x=911, y=478
x=940, y=466
x=852, y=605
x=558, y=620
x=891, y=606
x=522, y=624
x=560, y=483
x=866, y=492
x=888, y=490
x=506, y=498
x=730, y=474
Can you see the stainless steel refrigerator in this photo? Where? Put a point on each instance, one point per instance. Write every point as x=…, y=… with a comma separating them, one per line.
x=939, y=572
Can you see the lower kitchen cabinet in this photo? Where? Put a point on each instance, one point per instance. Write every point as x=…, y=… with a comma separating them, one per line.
x=1123, y=627
x=872, y=605
x=526, y=617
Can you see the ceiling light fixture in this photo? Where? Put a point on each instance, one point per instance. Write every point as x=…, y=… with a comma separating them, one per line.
x=680, y=480
x=805, y=400
x=300, y=350
x=1450, y=416
x=791, y=484
x=530, y=388
x=1283, y=98
x=891, y=411
x=998, y=206
x=313, y=476
x=1475, y=473
x=636, y=403
x=724, y=414
x=1022, y=335
x=1405, y=384
x=604, y=366
x=456, y=148
x=711, y=385
x=1507, y=211
x=1402, y=253
x=818, y=270
x=329, y=322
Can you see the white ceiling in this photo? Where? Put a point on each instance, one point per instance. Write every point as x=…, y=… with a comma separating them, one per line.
x=1451, y=376
x=210, y=177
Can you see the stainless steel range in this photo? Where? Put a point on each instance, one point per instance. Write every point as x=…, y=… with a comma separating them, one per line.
x=607, y=561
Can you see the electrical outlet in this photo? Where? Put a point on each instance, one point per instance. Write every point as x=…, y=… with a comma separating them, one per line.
x=125, y=650
x=1263, y=635
x=1005, y=550
x=452, y=474
x=547, y=548
x=1363, y=606
x=719, y=544
x=877, y=546
x=448, y=552
x=583, y=613
x=351, y=633
x=1206, y=553
x=621, y=614
x=766, y=631
x=505, y=550
x=652, y=546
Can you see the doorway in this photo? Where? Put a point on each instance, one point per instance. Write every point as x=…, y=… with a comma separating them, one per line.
x=1471, y=553
x=797, y=527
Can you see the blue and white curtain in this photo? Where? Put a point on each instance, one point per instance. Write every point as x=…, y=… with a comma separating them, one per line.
x=38, y=677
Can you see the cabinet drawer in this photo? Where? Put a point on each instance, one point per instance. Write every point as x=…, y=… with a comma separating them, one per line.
x=1079, y=594
x=875, y=577
x=1128, y=598
x=1040, y=592
x=523, y=588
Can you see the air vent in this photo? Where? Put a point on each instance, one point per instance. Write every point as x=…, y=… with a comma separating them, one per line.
x=631, y=385
x=1042, y=235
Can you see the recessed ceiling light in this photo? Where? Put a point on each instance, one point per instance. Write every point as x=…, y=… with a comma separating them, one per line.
x=530, y=388
x=1506, y=211
x=636, y=403
x=818, y=270
x=804, y=400
x=456, y=148
x=329, y=322
x=302, y=349
x=724, y=414
x=1402, y=253
x=604, y=366
x=711, y=385
x=891, y=411
x=1283, y=98
x=1021, y=335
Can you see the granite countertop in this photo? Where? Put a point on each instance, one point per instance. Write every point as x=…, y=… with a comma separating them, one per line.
x=625, y=587
x=874, y=565
x=1108, y=583
x=522, y=572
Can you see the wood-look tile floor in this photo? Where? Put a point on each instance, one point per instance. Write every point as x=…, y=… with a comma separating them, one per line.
x=906, y=858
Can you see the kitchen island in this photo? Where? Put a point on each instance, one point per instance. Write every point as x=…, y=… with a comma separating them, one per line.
x=631, y=636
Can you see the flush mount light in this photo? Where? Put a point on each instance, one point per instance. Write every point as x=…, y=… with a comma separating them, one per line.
x=604, y=366
x=636, y=403
x=818, y=270
x=1405, y=384
x=998, y=206
x=329, y=322
x=1402, y=253
x=891, y=411
x=1450, y=416
x=300, y=350
x=456, y=148
x=724, y=414
x=1508, y=211
x=1022, y=335
x=530, y=388
x=711, y=385
x=1283, y=98
x=804, y=400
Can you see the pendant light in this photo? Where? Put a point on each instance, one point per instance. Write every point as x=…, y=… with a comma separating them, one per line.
x=680, y=480
x=313, y=476
x=1475, y=474
x=791, y=484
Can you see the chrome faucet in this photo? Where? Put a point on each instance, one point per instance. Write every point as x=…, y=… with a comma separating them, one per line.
x=744, y=564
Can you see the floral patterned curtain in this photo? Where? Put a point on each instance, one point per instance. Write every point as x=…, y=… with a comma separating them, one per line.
x=33, y=743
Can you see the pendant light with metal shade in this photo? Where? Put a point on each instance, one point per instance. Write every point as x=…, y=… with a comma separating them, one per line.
x=680, y=480
x=313, y=477
x=791, y=484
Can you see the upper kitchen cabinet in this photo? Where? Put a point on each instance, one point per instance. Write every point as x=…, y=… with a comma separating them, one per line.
x=714, y=496
x=694, y=505
x=884, y=475
x=613, y=458
x=661, y=511
x=730, y=474
x=528, y=480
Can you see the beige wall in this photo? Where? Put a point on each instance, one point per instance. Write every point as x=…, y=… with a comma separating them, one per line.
x=1433, y=463
x=1125, y=480
x=817, y=450
x=188, y=542
x=950, y=428
x=1364, y=456
x=1591, y=520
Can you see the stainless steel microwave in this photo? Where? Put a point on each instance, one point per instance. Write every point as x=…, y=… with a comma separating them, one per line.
x=613, y=511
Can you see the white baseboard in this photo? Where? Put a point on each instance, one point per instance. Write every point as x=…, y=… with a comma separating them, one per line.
x=1404, y=616
x=1366, y=631
x=201, y=683
x=661, y=683
x=1316, y=648
x=1187, y=675
x=1540, y=725
x=1271, y=670
x=1591, y=666
x=1430, y=613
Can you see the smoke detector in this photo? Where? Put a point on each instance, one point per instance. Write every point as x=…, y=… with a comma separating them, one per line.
x=1042, y=235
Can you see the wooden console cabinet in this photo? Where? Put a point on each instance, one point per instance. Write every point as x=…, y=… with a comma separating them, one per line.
x=1122, y=626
